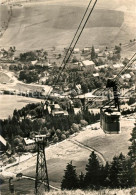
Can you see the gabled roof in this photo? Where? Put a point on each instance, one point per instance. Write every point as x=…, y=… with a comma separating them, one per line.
x=88, y=63
x=96, y=74
x=28, y=141
x=3, y=141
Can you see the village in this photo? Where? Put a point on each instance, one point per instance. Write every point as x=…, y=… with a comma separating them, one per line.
x=83, y=79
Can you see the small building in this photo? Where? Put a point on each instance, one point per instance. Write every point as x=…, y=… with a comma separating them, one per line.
x=76, y=50
x=59, y=113
x=102, y=66
x=96, y=74
x=3, y=144
x=118, y=65
x=88, y=64
x=126, y=76
x=97, y=50
x=33, y=62
x=29, y=144
x=3, y=141
x=87, y=49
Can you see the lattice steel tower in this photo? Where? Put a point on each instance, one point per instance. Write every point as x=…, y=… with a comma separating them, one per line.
x=42, y=181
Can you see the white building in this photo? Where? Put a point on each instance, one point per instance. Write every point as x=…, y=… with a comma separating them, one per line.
x=76, y=50
x=118, y=65
x=126, y=76
x=88, y=64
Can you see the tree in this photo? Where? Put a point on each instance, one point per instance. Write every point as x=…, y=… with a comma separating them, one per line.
x=93, y=54
x=120, y=172
x=117, y=49
x=92, y=177
x=132, y=148
x=131, y=101
x=70, y=179
x=81, y=181
x=104, y=175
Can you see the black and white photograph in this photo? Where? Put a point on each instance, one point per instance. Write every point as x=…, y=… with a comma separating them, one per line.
x=67, y=97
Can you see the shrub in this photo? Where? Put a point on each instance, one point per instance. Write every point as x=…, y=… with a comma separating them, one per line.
x=75, y=127
x=63, y=136
x=83, y=123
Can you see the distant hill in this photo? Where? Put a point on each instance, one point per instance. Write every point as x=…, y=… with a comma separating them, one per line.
x=53, y=23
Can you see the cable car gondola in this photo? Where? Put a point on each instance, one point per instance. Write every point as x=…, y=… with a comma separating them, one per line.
x=110, y=115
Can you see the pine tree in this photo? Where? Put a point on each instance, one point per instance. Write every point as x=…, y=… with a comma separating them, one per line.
x=132, y=155
x=70, y=179
x=93, y=54
x=114, y=172
x=104, y=175
x=92, y=177
x=132, y=148
x=81, y=181
x=121, y=174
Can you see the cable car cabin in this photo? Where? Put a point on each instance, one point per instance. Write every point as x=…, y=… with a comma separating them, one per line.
x=110, y=120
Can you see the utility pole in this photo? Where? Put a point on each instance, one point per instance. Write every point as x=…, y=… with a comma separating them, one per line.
x=42, y=181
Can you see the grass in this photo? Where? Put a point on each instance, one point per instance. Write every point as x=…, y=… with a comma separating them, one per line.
x=4, y=16
x=107, y=144
x=9, y=102
x=59, y=155
x=26, y=187
x=58, y=24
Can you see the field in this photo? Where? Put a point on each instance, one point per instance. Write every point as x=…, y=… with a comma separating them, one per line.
x=107, y=144
x=48, y=24
x=53, y=23
x=9, y=102
x=4, y=15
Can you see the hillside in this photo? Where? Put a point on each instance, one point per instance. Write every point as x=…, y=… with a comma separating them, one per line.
x=53, y=23
x=62, y=153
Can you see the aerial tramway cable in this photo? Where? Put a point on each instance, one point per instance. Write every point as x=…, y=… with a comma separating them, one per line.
x=66, y=59
x=76, y=33
x=77, y=40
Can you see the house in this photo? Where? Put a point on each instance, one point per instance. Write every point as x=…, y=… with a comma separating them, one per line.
x=126, y=76
x=78, y=88
x=118, y=65
x=97, y=50
x=29, y=144
x=59, y=113
x=77, y=110
x=102, y=66
x=87, y=49
x=76, y=50
x=33, y=62
x=96, y=74
x=3, y=141
x=3, y=144
x=88, y=64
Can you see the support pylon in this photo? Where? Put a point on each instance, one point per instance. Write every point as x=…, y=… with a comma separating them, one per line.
x=42, y=181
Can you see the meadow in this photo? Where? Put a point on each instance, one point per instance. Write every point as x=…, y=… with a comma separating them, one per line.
x=45, y=25
x=60, y=154
x=10, y=102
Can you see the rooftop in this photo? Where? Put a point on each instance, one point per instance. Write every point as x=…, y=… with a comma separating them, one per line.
x=88, y=63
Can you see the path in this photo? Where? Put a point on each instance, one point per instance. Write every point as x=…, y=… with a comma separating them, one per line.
x=101, y=156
